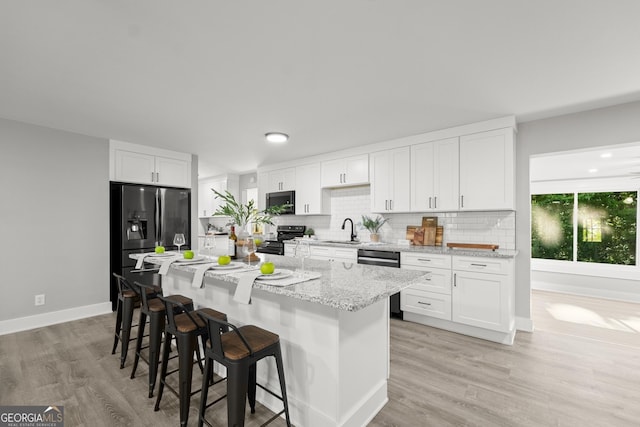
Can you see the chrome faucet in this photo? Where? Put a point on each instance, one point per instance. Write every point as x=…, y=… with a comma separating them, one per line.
x=353, y=235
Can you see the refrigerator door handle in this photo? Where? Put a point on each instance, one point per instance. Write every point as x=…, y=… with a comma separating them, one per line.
x=157, y=215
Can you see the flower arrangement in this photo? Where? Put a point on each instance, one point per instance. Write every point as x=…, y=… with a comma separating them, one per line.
x=373, y=224
x=243, y=214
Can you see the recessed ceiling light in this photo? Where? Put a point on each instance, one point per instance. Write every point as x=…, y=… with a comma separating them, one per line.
x=606, y=155
x=593, y=170
x=276, y=137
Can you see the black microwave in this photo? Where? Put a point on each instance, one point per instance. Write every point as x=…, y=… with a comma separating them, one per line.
x=282, y=198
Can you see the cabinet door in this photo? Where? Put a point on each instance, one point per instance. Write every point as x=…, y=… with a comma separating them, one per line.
x=390, y=180
x=401, y=180
x=321, y=252
x=356, y=170
x=331, y=173
x=446, y=175
x=205, y=199
x=134, y=167
x=436, y=280
x=345, y=255
x=422, y=183
x=345, y=172
x=282, y=180
x=172, y=172
x=381, y=173
x=481, y=299
x=310, y=197
x=487, y=170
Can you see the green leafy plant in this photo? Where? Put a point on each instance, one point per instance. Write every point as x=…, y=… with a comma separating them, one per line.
x=242, y=214
x=373, y=224
x=309, y=232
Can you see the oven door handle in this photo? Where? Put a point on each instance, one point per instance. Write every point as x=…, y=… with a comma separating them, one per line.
x=379, y=261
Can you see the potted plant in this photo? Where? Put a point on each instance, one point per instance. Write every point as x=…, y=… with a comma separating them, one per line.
x=243, y=214
x=309, y=233
x=373, y=225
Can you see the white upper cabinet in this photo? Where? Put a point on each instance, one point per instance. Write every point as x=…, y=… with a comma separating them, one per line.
x=207, y=201
x=311, y=199
x=435, y=176
x=345, y=172
x=282, y=180
x=487, y=171
x=148, y=165
x=390, y=180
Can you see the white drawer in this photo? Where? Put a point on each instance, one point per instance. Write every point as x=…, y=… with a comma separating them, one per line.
x=417, y=259
x=426, y=303
x=346, y=254
x=321, y=250
x=436, y=280
x=482, y=265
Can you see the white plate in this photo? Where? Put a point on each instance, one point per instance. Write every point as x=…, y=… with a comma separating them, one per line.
x=277, y=275
x=231, y=266
x=194, y=259
x=166, y=254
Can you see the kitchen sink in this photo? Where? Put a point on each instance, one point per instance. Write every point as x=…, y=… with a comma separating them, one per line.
x=346, y=242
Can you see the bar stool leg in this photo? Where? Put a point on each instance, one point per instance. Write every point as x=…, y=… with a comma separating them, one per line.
x=127, y=319
x=283, y=386
x=116, y=335
x=163, y=372
x=206, y=380
x=141, y=325
x=237, y=380
x=155, y=339
x=186, y=348
x=252, y=388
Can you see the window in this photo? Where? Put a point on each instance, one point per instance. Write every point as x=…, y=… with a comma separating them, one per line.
x=552, y=226
x=607, y=227
x=603, y=231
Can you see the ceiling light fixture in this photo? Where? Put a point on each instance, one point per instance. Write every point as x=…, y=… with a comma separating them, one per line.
x=594, y=170
x=276, y=137
x=606, y=155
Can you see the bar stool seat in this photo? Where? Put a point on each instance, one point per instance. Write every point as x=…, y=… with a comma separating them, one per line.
x=154, y=308
x=186, y=325
x=239, y=349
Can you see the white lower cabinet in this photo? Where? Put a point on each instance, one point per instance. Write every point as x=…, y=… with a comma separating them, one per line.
x=432, y=296
x=461, y=294
x=483, y=293
x=331, y=253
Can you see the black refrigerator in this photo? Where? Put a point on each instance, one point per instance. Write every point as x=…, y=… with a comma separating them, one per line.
x=143, y=217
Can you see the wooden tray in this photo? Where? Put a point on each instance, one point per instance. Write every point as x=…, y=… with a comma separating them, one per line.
x=472, y=246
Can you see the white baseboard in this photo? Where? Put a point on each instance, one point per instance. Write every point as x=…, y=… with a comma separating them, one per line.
x=524, y=324
x=51, y=318
x=604, y=293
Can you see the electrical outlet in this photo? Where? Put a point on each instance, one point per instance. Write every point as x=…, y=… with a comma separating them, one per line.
x=40, y=299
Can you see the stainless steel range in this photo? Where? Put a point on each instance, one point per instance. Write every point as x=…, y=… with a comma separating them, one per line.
x=284, y=232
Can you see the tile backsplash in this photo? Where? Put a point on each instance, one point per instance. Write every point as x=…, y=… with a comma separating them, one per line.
x=460, y=227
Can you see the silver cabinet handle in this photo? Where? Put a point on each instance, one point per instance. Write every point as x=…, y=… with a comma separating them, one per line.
x=424, y=259
x=429, y=202
x=153, y=176
x=390, y=205
x=345, y=177
x=435, y=202
x=386, y=205
x=478, y=265
x=455, y=279
x=462, y=201
x=424, y=303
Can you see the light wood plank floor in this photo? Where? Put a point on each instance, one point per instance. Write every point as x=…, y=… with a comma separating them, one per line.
x=580, y=370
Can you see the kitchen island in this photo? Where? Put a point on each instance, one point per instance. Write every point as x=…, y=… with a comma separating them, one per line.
x=334, y=333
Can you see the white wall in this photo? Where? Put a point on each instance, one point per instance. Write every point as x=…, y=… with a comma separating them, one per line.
x=614, y=125
x=54, y=221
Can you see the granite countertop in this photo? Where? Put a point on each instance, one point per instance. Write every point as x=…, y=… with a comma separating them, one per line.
x=443, y=250
x=349, y=287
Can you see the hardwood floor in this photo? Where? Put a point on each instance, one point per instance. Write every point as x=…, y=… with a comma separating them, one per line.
x=582, y=372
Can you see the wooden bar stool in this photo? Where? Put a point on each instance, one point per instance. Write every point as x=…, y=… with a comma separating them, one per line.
x=239, y=350
x=128, y=298
x=186, y=326
x=154, y=308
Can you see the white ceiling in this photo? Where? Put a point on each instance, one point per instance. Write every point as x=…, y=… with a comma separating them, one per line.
x=211, y=77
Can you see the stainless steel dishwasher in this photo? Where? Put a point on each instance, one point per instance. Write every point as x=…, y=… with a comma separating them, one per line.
x=385, y=259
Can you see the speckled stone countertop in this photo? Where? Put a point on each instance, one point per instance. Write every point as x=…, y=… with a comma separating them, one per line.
x=500, y=253
x=344, y=286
